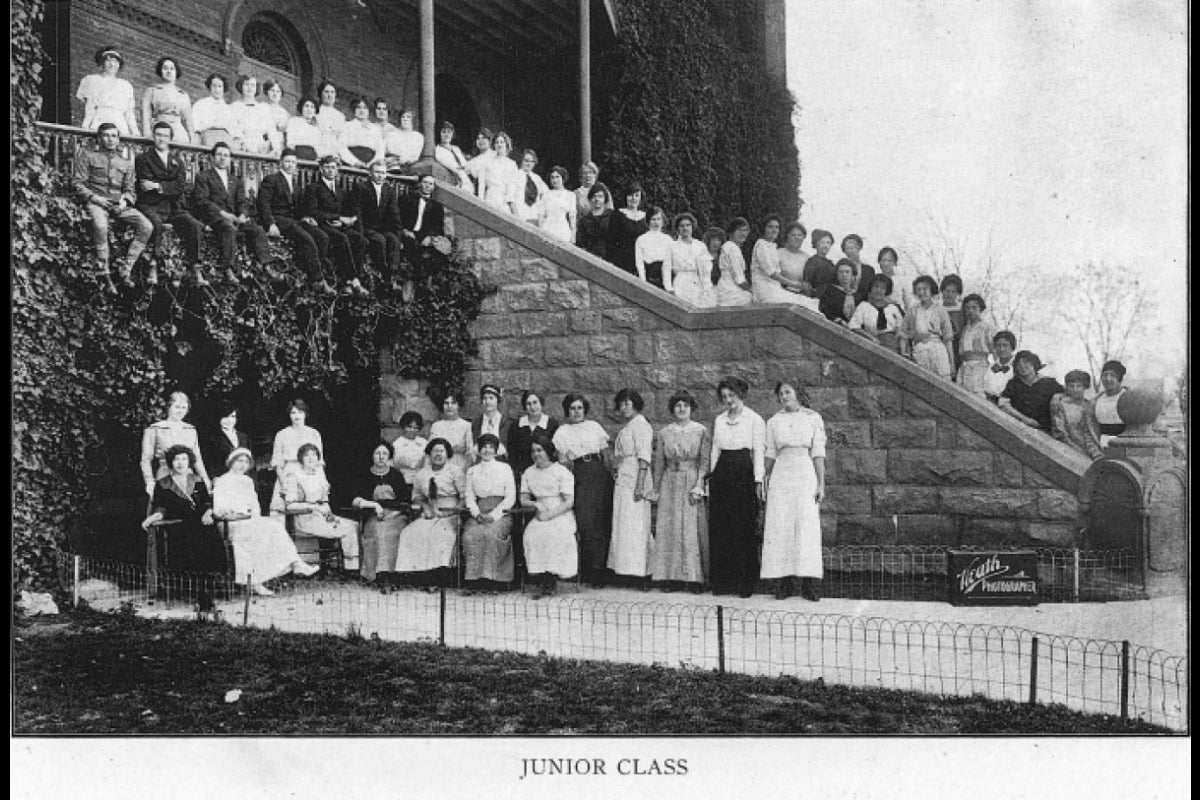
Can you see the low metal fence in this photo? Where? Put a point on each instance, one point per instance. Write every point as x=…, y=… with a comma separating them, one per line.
x=942, y=658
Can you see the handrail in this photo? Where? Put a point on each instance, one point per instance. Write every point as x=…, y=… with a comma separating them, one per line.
x=1057, y=462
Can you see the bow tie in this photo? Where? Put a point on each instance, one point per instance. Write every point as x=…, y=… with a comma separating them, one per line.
x=999, y=368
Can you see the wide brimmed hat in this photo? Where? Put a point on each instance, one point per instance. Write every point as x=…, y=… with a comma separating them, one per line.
x=238, y=453
x=105, y=52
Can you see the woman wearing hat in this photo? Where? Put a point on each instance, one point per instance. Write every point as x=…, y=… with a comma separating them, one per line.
x=1027, y=396
x=107, y=98
x=487, y=534
x=262, y=549
x=1111, y=376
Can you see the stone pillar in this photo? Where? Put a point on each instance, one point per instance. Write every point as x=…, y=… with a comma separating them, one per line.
x=428, y=109
x=585, y=80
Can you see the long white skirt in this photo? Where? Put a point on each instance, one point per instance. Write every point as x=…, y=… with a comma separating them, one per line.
x=338, y=528
x=629, y=551
x=690, y=287
x=792, y=530
x=262, y=549
x=427, y=544
x=550, y=546
x=932, y=356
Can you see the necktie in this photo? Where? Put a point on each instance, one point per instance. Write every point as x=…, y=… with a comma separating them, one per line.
x=531, y=192
x=881, y=321
x=433, y=492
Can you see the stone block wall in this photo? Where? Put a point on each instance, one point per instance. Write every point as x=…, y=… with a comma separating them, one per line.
x=900, y=470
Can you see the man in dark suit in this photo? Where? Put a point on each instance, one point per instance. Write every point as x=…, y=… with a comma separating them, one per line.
x=375, y=205
x=161, y=183
x=278, y=204
x=220, y=202
x=325, y=206
x=421, y=215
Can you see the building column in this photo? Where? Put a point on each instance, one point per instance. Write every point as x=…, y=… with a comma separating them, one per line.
x=585, y=80
x=428, y=110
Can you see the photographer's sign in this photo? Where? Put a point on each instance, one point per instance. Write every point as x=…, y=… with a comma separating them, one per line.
x=992, y=578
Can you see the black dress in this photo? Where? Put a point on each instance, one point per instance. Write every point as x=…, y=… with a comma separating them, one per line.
x=820, y=273
x=381, y=538
x=191, y=546
x=623, y=234
x=595, y=233
x=833, y=303
x=218, y=447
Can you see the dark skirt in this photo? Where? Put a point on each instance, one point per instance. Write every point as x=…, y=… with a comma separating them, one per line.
x=1112, y=429
x=733, y=523
x=363, y=154
x=593, y=512
x=654, y=273
x=305, y=152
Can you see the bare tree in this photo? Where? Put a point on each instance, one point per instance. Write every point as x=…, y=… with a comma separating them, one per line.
x=1102, y=306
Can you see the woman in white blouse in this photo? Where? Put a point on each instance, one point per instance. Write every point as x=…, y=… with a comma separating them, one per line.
x=735, y=491
x=582, y=447
x=877, y=317
x=279, y=114
x=168, y=103
x=330, y=121
x=427, y=546
x=304, y=134
x=768, y=283
x=455, y=430
x=285, y=458
x=479, y=161
x=687, y=273
x=409, y=449
x=551, y=551
x=487, y=542
x=652, y=251
x=450, y=156
x=528, y=196
x=795, y=487
x=253, y=121
x=361, y=142
x=558, y=208
x=499, y=174
x=212, y=119
x=732, y=289
x=631, y=518
x=404, y=145
x=107, y=98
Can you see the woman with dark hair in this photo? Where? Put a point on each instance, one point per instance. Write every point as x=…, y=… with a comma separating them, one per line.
x=901, y=294
x=383, y=496
x=1004, y=344
x=303, y=134
x=455, y=430
x=107, y=98
x=168, y=103
x=595, y=227
x=769, y=284
x=1027, y=396
x=628, y=224
x=161, y=436
x=478, y=162
x=952, y=289
x=308, y=488
x=284, y=456
x=499, y=174
x=1112, y=374
x=279, y=114
x=732, y=288
x=632, y=491
x=588, y=174
x=792, y=259
x=487, y=535
x=687, y=273
x=735, y=491
x=428, y=543
x=714, y=239
x=852, y=245
x=492, y=420
x=520, y=436
x=551, y=551
x=974, y=347
x=795, y=487
x=180, y=495
x=403, y=145
x=559, y=212
x=262, y=548
x=877, y=317
x=252, y=120
x=212, y=118
x=450, y=156
x=329, y=120
x=528, y=197
x=838, y=301
x=679, y=554
x=927, y=337
x=361, y=142
x=1074, y=416
x=409, y=446
x=582, y=447
x=819, y=271
x=225, y=440
x=652, y=251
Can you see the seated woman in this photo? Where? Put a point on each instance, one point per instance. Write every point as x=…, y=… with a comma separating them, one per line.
x=427, y=547
x=838, y=300
x=1027, y=396
x=451, y=157
x=652, y=249
x=361, y=140
x=487, y=542
x=303, y=134
x=732, y=288
x=877, y=317
x=180, y=495
x=262, y=549
x=1074, y=416
x=769, y=283
x=688, y=272
x=309, y=489
x=403, y=145
x=385, y=496
x=551, y=551
x=819, y=271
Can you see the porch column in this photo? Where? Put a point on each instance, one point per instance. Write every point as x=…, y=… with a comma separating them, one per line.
x=585, y=80
x=428, y=111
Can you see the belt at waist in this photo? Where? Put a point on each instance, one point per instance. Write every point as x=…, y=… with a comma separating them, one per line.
x=588, y=457
x=680, y=464
x=923, y=338
x=973, y=356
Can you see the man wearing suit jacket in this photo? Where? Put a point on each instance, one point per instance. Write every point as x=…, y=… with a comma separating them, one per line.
x=161, y=182
x=421, y=215
x=220, y=202
x=374, y=203
x=278, y=204
x=325, y=207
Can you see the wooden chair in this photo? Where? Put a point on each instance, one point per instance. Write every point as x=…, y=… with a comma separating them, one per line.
x=525, y=513
x=222, y=524
x=327, y=553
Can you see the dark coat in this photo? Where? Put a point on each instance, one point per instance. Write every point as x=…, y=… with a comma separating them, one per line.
x=506, y=424
x=190, y=546
x=210, y=198
x=383, y=216
x=323, y=205
x=520, y=440
x=432, y=224
x=276, y=200
x=217, y=448
x=166, y=200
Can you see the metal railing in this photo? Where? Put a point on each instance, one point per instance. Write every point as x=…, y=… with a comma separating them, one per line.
x=942, y=658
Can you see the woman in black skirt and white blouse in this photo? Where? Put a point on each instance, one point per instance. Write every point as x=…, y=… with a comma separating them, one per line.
x=735, y=491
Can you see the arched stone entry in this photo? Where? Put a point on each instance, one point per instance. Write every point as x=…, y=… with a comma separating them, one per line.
x=1111, y=494
x=454, y=103
x=273, y=48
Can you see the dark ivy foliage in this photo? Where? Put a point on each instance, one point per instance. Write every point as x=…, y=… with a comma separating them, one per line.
x=693, y=115
x=91, y=370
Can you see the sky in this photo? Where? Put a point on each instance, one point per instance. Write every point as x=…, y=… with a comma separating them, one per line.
x=1060, y=126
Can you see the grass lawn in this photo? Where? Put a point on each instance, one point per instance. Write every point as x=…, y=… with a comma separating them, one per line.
x=95, y=673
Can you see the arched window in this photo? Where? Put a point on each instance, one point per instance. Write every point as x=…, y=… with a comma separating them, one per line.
x=263, y=42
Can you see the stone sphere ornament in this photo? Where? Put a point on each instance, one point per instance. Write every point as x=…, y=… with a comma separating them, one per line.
x=1138, y=408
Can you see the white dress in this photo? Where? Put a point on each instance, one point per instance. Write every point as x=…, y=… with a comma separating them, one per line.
x=475, y=168
x=302, y=133
x=285, y=460
x=792, y=531
x=764, y=263
x=629, y=552
x=330, y=122
x=496, y=181
x=733, y=272
x=689, y=273
x=458, y=433
x=306, y=487
x=112, y=100
x=558, y=214
x=651, y=247
x=487, y=547
x=409, y=456
x=531, y=213
x=212, y=121
x=550, y=545
x=262, y=548
x=403, y=147
x=253, y=126
x=429, y=544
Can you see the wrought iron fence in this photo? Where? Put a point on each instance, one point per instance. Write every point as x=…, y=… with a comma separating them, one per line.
x=942, y=658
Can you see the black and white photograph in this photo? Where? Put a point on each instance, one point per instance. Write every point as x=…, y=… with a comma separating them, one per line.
x=647, y=398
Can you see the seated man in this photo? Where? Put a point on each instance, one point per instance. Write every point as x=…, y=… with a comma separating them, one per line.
x=325, y=207
x=103, y=178
x=421, y=215
x=161, y=182
x=375, y=205
x=221, y=203
x=278, y=204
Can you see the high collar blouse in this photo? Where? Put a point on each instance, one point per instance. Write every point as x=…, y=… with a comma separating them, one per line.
x=747, y=432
